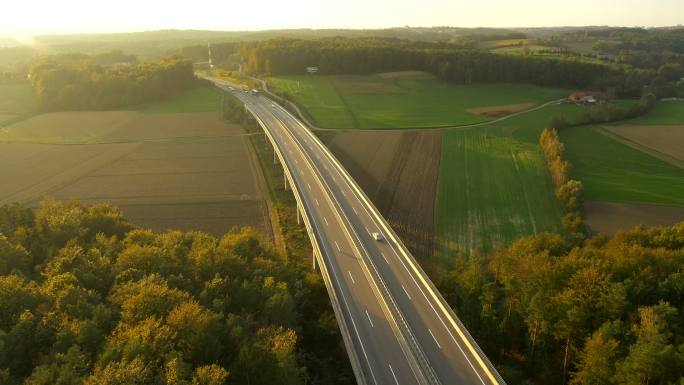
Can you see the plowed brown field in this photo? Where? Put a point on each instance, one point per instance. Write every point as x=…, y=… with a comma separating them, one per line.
x=666, y=139
x=185, y=171
x=609, y=217
x=399, y=172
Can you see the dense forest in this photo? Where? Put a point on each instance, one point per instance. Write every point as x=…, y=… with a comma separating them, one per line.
x=606, y=311
x=81, y=82
x=85, y=298
x=447, y=61
x=638, y=47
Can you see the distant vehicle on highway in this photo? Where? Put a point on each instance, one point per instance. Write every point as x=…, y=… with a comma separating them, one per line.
x=273, y=105
x=377, y=236
x=255, y=91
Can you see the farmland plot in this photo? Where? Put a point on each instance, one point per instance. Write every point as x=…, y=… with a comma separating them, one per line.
x=184, y=170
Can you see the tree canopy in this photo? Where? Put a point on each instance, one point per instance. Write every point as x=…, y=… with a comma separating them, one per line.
x=81, y=82
x=86, y=298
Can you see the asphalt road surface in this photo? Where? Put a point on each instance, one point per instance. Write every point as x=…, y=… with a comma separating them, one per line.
x=397, y=328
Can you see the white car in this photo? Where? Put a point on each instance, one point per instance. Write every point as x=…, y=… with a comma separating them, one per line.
x=377, y=236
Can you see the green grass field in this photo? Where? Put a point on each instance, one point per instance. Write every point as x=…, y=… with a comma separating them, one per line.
x=612, y=171
x=494, y=186
x=662, y=113
x=418, y=100
x=199, y=99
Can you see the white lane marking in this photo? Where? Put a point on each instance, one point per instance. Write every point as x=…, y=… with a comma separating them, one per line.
x=407, y=294
x=296, y=161
x=343, y=193
x=309, y=186
x=369, y=319
x=433, y=337
x=354, y=208
x=326, y=221
x=338, y=246
x=317, y=204
x=368, y=231
x=352, y=278
x=393, y=375
x=385, y=258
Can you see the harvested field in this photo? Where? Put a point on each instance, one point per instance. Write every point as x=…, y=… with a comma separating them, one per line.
x=399, y=173
x=64, y=127
x=610, y=217
x=183, y=171
x=666, y=139
x=498, y=111
x=115, y=126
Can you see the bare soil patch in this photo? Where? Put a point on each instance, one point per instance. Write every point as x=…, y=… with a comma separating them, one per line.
x=666, y=139
x=610, y=217
x=399, y=173
x=7, y=117
x=402, y=74
x=369, y=87
x=499, y=111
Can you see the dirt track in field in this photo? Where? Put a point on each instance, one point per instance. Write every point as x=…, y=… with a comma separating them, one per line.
x=499, y=111
x=666, y=139
x=399, y=172
x=198, y=179
x=610, y=217
x=6, y=117
x=401, y=74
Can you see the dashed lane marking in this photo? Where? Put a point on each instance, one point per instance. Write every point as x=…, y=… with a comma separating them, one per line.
x=369, y=319
x=433, y=337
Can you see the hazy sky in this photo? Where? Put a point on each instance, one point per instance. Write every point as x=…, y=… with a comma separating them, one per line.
x=72, y=16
